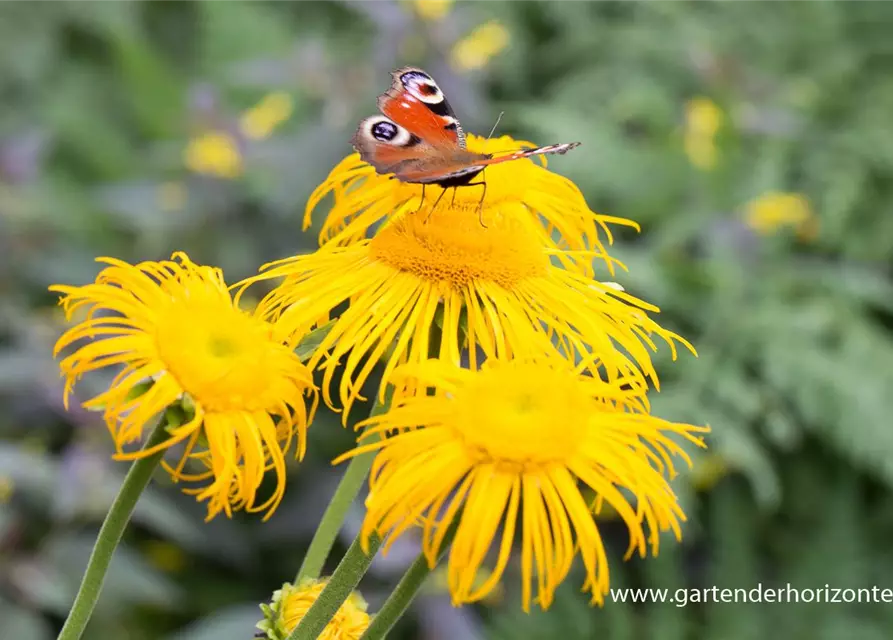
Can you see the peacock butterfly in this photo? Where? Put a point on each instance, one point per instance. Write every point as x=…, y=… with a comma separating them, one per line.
x=419, y=140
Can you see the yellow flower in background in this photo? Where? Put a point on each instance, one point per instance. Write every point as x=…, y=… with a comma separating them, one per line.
x=703, y=119
x=493, y=289
x=432, y=10
x=476, y=49
x=215, y=153
x=518, y=189
x=775, y=209
x=259, y=122
x=174, y=323
x=507, y=447
x=291, y=603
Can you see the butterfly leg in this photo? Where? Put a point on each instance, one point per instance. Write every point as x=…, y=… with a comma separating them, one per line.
x=481, y=203
x=436, y=202
x=482, y=183
x=423, y=199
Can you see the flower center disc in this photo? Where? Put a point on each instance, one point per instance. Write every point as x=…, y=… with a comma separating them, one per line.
x=523, y=414
x=450, y=244
x=218, y=355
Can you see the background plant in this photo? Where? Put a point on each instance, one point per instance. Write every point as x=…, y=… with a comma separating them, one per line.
x=135, y=129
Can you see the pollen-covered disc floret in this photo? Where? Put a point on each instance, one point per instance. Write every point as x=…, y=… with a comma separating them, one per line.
x=291, y=603
x=521, y=188
x=174, y=324
x=521, y=446
x=493, y=290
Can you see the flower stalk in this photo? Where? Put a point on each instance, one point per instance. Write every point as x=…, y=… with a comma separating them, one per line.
x=351, y=482
x=344, y=580
x=110, y=535
x=406, y=590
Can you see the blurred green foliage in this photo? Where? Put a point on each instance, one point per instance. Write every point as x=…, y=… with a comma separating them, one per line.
x=98, y=102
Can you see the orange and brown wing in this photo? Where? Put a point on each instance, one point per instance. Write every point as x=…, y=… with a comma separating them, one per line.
x=460, y=166
x=388, y=147
x=417, y=104
x=391, y=149
x=418, y=138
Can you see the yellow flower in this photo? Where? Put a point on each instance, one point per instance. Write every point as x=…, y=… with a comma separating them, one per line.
x=215, y=153
x=175, y=323
x=432, y=10
x=507, y=447
x=259, y=122
x=493, y=289
x=476, y=49
x=775, y=209
x=703, y=118
x=291, y=603
x=517, y=189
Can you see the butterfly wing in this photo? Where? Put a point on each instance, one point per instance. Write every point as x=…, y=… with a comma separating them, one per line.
x=387, y=146
x=390, y=148
x=416, y=103
x=418, y=138
x=462, y=166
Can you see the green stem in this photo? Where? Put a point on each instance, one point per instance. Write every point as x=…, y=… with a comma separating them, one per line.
x=110, y=535
x=344, y=580
x=406, y=590
x=348, y=488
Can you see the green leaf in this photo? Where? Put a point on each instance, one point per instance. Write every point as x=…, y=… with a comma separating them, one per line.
x=312, y=340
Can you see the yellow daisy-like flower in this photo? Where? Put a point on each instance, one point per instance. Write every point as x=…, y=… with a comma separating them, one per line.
x=215, y=153
x=509, y=447
x=175, y=323
x=774, y=210
x=259, y=121
x=516, y=189
x=493, y=289
x=432, y=10
x=703, y=120
x=291, y=603
x=476, y=49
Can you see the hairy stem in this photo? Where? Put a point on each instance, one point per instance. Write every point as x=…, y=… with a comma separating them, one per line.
x=348, y=488
x=344, y=580
x=110, y=535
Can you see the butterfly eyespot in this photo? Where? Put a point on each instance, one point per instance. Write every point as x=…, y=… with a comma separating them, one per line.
x=418, y=140
x=384, y=131
x=422, y=87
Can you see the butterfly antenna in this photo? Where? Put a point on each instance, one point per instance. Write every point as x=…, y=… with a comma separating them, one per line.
x=483, y=179
x=495, y=124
